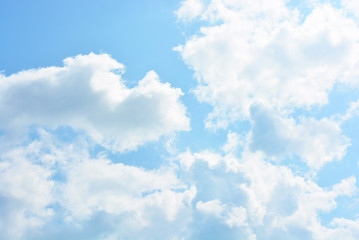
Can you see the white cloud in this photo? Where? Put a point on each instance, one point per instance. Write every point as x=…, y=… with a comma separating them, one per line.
x=25, y=192
x=345, y=187
x=262, y=52
x=214, y=207
x=345, y=229
x=189, y=10
x=187, y=159
x=47, y=182
x=213, y=159
x=237, y=217
x=89, y=94
x=267, y=201
x=258, y=61
x=276, y=195
x=351, y=6
x=353, y=111
x=261, y=61
x=316, y=141
x=232, y=216
x=138, y=201
x=234, y=140
x=257, y=198
x=99, y=185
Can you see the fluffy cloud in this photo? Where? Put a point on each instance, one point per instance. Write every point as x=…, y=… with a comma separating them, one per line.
x=281, y=205
x=25, y=193
x=264, y=200
x=287, y=206
x=316, y=141
x=353, y=111
x=26, y=188
x=269, y=53
x=99, y=185
x=351, y=6
x=189, y=10
x=233, y=217
x=89, y=95
x=214, y=207
x=47, y=182
x=138, y=201
x=345, y=229
x=257, y=61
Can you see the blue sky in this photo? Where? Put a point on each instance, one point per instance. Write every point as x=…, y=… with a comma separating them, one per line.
x=194, y=119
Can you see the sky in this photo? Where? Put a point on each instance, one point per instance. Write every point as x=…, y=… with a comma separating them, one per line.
x=193, y=119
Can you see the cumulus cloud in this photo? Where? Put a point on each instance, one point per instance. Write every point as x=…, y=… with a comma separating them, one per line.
x=214, y=207
x=276, y=192
x=345, y=229
x=47, y=182
x=189, y=10
x=233, y=217
x=268, y=53
x=316, y=141
x=267, y=201
x=211, y=158
x=88, y=94
x=237, y=217
x=99, y=185
x=254, y=61
x=351, y=112
x=25, y=193
x=261, y=62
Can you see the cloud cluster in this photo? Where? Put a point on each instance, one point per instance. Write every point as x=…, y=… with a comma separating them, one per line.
x=316, y=142
x=25, y=193
x=264, y=63
x=88, y=94
x=270, y=63
x=270, y=54
x=47, y=181
x=266, y=201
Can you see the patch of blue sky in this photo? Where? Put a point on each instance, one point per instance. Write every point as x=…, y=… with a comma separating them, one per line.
x=59, y=174
x=139, y=34
x=294, y=163
x=199, y=137
x=334, y=172
x=302, y=6
x=148, y=156
x=209, y=227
